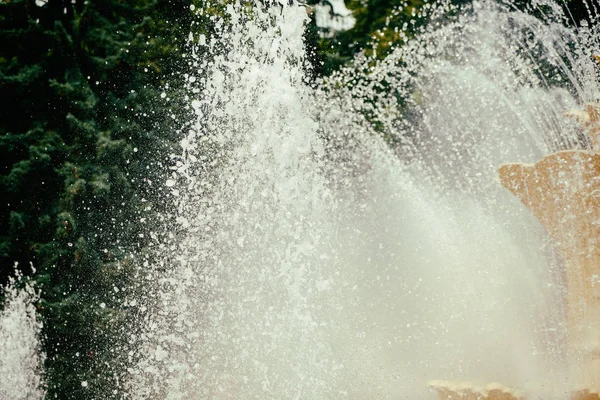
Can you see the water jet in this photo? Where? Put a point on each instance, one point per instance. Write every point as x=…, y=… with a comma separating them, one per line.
x=314, y=259
x=563, y=191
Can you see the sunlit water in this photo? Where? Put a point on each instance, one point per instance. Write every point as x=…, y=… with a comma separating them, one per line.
x=316, y=260
x=20, y=357
x=352, y=240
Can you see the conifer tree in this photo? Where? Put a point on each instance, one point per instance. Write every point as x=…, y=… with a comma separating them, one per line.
x=82, y=149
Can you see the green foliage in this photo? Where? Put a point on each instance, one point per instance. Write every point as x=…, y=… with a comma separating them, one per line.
x=380, y=26
x=84, y=143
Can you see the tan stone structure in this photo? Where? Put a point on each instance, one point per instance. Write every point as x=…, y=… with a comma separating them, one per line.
x=563, y=191
x=466, y=391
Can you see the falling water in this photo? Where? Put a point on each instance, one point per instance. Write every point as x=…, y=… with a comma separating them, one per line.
x=352, y=240
x=20, y=357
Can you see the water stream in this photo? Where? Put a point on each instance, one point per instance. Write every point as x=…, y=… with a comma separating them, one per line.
x=351, y=240
x=21, y=359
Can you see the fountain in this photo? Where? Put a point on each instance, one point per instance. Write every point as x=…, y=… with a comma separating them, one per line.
x=20, y=357
x=352, y=240
x=562, y=190
x=346, y=241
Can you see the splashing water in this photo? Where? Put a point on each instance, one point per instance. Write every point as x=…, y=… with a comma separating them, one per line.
x=20, y=356
x=352, y=241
